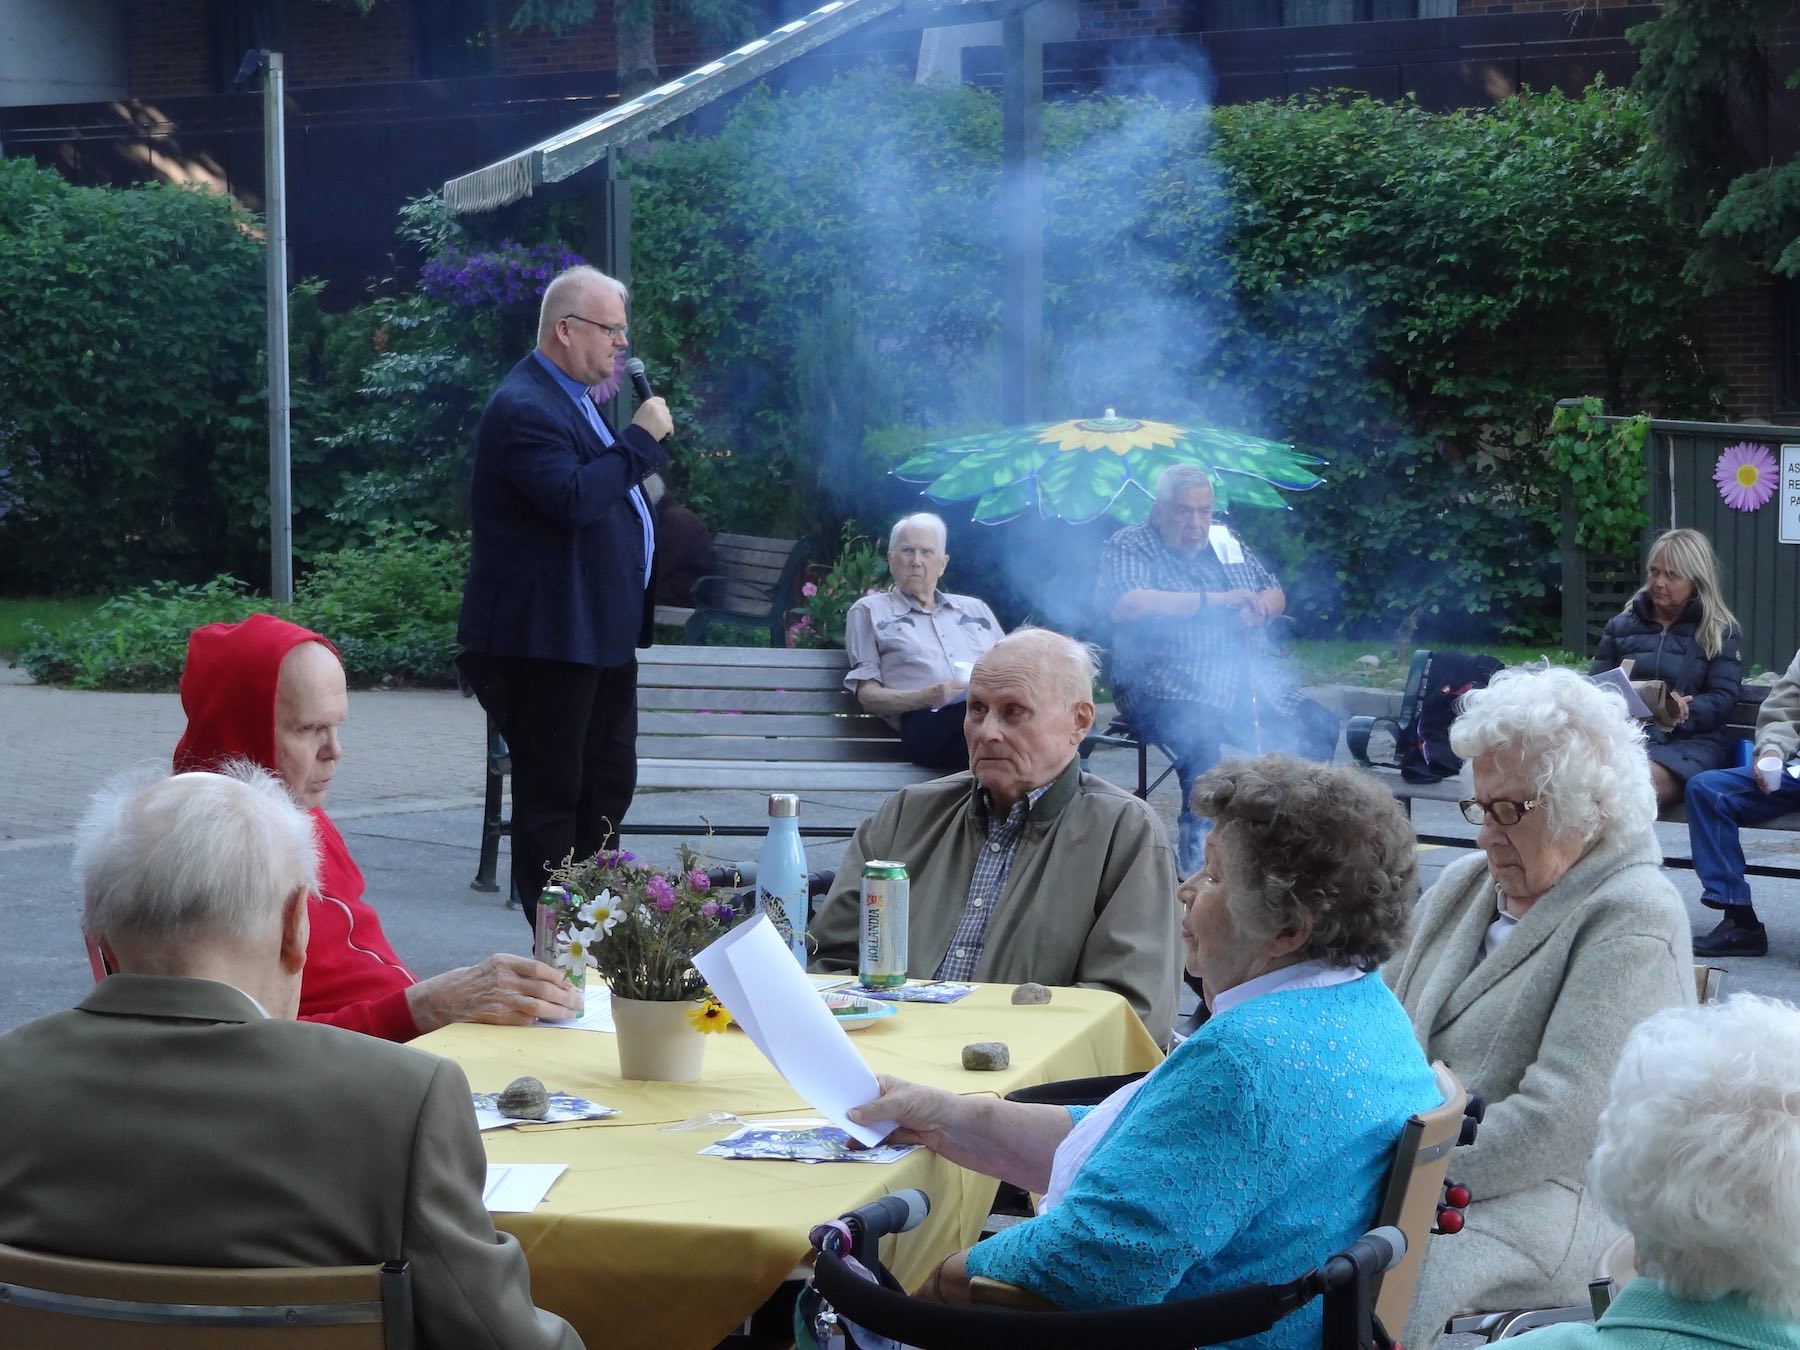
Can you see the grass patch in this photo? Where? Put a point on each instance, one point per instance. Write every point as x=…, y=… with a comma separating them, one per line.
x=55, y=615
x=1335, y=662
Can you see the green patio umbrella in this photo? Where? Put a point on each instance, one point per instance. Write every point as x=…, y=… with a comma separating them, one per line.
x=1083, y=469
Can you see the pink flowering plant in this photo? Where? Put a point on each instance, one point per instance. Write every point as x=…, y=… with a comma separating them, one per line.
x=860, y=569
x=639, y=928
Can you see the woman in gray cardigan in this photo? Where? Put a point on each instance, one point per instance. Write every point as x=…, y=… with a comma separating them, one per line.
x=1527, y=968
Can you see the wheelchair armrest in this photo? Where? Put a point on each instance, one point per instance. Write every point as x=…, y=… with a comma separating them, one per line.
x=987, y=1293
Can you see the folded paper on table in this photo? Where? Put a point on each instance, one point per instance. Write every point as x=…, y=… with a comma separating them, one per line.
x=595, y=1016
x=519, y=1188
x=805, y=1141
x=563, y=1109
x=918, y=991
x=755, y=976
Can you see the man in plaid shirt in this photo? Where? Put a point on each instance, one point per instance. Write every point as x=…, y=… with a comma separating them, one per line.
x=1192, y=664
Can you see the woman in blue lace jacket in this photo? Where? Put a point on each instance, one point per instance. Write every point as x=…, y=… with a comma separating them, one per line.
x=1258, y=1146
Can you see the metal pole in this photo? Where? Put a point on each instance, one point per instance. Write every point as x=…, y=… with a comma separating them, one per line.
x=281, y=512
x=1022, y=226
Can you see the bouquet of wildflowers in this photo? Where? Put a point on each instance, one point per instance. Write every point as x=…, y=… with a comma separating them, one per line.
x=639, y=928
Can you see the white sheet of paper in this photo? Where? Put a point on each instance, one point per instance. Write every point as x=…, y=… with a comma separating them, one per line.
x=756, y=977
x=519, y=1188
x=1225, y=546
x=1617, y=681
x=596, y=1014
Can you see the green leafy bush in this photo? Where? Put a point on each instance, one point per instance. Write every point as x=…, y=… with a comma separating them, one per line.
x=130, y=326
x=858, y=569
x=1603, y=466
x=389, y=606
x=137, y=640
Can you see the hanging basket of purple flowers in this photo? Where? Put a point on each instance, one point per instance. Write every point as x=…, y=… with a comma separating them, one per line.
x=509, y=273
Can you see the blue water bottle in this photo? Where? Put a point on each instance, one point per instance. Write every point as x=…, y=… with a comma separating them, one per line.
x=781, y=873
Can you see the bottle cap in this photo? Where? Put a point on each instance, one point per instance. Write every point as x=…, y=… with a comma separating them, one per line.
x=782, y=804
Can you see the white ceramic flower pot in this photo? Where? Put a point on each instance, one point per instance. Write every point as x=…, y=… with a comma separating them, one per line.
x=657, y=1043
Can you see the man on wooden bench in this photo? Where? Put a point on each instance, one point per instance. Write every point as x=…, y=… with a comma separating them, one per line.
x=911, y=646
x=1192, y=664
x=1721, y=801
x=1024, y=868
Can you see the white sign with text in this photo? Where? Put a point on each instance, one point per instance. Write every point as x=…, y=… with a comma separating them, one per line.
x=1790, y=494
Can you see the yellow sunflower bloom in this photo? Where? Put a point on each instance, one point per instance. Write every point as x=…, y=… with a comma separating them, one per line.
x=1120, y=435
x=709, y=1016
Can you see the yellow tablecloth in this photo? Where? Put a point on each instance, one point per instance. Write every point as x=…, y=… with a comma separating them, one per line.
x=644, y=1243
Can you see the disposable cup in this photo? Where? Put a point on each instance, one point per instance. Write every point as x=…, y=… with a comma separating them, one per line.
x=1768, y=772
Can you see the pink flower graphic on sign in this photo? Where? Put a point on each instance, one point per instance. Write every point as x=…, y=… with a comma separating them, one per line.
x=1746, y=475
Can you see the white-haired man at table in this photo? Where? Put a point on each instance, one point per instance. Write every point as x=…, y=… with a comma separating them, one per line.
x=1025, y=868
x=181, y=1116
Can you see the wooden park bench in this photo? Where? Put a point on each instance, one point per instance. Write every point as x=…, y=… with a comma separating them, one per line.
x=751, y=589
x=772, y=719
x=1361, y=731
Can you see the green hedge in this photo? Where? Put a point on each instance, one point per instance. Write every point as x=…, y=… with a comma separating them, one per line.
x=130, y=332
x=389, y=607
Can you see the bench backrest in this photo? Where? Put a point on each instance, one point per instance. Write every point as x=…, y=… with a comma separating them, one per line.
x=755, y=703
x=755, y=576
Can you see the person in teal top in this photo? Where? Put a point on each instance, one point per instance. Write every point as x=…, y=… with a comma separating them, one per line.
x=1258, y=1147
x=1699, y=1159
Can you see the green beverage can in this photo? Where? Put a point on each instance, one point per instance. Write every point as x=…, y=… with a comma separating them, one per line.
x=881, y=953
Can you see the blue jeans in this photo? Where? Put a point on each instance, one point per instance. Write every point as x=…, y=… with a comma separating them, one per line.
x=1719, y=801
x=1195, y=737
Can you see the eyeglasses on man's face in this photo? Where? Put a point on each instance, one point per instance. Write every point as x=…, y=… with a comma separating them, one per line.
x=615, y=331
x=1504, y=812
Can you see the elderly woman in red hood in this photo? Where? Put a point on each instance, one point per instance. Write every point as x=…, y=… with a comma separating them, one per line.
x=272, y=692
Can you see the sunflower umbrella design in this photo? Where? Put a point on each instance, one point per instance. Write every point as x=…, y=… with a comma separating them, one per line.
x=1079, y=470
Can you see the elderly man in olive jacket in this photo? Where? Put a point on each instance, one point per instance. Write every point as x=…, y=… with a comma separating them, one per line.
x=1025, y=868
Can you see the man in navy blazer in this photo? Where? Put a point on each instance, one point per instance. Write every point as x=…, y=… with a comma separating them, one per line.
x=559, y=591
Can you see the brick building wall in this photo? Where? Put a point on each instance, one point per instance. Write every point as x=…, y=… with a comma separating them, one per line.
x=1736, y=334
x=172, y=46
x=168, y=48
x=327, y=44
x=1132, y=18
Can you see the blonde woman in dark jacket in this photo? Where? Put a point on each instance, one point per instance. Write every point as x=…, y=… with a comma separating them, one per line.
x=1677, y=629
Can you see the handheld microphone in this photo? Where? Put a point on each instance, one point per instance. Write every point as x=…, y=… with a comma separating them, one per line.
x=900, y=1212
x=640, y=382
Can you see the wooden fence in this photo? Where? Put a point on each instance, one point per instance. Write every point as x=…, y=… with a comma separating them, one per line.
x=1760, y=574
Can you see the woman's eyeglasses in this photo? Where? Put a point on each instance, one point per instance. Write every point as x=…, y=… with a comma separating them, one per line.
x=1504, y=812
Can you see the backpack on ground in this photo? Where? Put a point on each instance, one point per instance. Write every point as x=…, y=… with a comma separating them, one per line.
x=1425, y=753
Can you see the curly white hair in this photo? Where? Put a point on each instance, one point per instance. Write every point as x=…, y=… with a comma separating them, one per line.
x=1699, y=1150
x=1578, y=745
